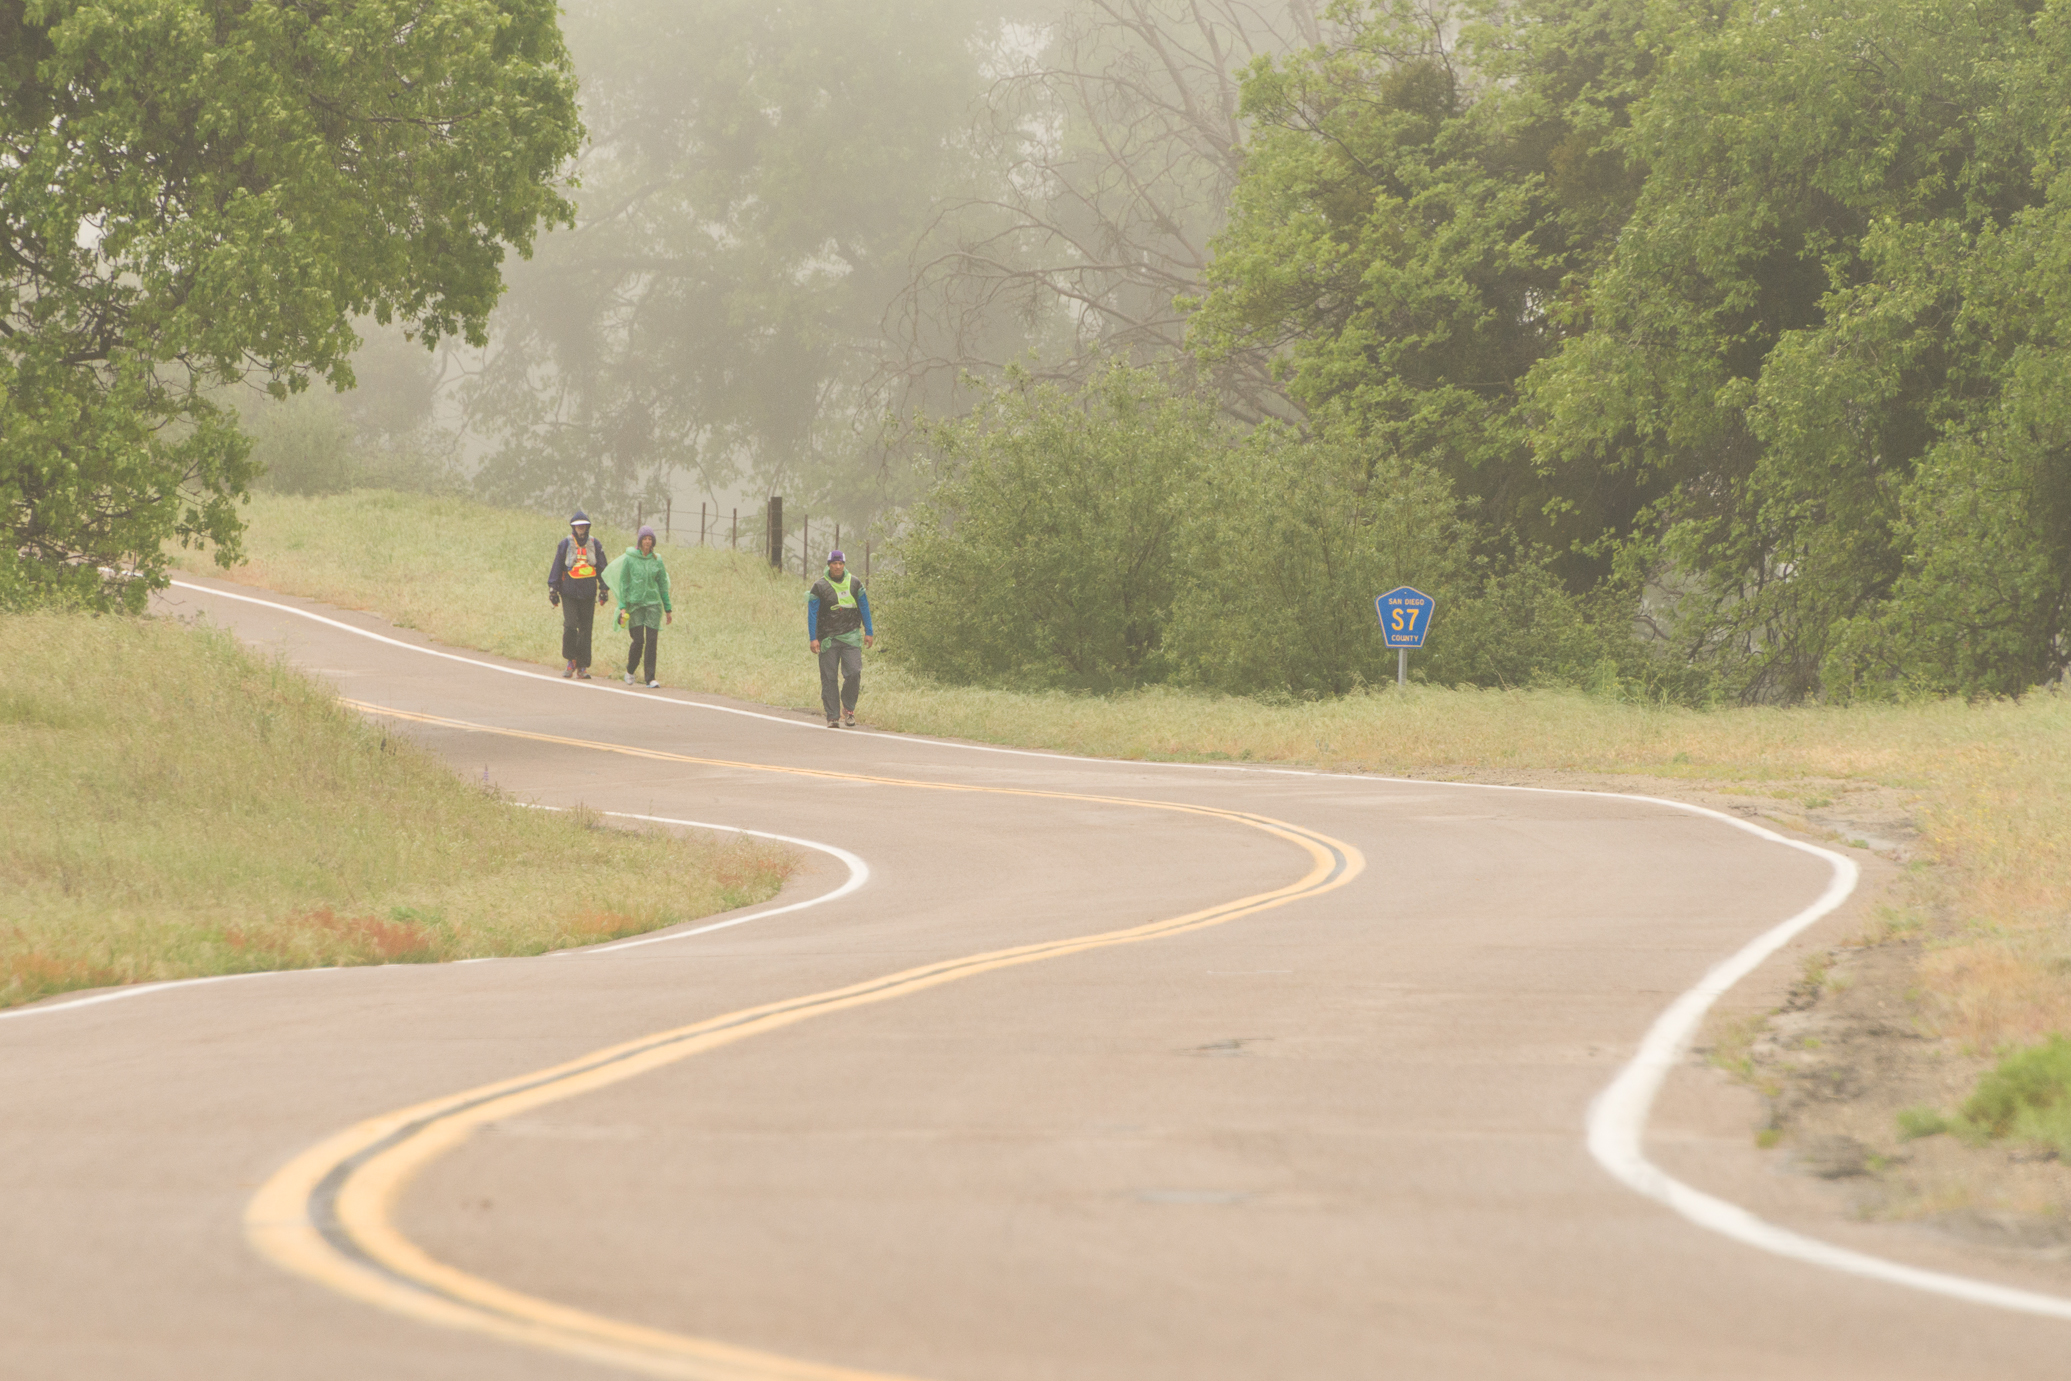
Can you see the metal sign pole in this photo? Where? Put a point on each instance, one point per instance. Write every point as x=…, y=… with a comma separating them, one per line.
x=1401, y=666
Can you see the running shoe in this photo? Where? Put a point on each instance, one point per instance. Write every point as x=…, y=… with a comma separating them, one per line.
x=568, y=673
x=629, y=678
x=848, y=719
x=582, y=673
x=834, y=724
x=654, y=685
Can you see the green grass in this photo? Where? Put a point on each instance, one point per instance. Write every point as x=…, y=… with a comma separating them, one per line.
x=181, y=807
x=1993, y=780
x=475, y=577
x=2026, y=1097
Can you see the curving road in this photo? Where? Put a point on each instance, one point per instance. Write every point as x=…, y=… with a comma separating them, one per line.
x=1080, y=1070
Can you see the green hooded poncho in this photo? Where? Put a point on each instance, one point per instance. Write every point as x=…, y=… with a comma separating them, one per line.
x=641, y=582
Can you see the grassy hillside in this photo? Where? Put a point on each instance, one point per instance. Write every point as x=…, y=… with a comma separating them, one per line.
x=1991, y=781
x=183, y=807
x=476, y=577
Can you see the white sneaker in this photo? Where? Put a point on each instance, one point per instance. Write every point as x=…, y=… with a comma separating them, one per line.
x=654, y=685
x=629, y=678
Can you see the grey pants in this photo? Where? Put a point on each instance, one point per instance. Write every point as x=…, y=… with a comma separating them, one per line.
x=845, y=659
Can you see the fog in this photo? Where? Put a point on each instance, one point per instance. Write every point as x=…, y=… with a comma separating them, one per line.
x=800, y=228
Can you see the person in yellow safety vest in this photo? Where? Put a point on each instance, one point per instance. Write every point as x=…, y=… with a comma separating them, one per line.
x=838, y=628
x=575, y=582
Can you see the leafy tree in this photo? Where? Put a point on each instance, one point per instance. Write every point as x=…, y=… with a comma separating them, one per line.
x=1416, y=217
x=758, y=178
x=192, y=191
x=1831, y=332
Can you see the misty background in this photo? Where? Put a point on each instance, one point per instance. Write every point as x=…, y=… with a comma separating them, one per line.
x=1676, y=353
x=801, y=229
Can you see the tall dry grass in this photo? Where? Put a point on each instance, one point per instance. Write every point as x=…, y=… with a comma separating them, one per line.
x=182, y=807
x=1993, y=780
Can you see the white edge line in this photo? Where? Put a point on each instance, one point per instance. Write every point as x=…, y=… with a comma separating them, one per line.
x=789, y=721
x=1618, y=1115
x=139, y=989
x=1617, y=1120
x=527, y=673
x=859, y=873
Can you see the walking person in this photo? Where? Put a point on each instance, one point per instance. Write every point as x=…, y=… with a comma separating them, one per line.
x=642, y=582
x=575, y=584
x=837, y=628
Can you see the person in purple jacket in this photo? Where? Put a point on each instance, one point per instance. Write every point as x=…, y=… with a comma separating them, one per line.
x=575, y=582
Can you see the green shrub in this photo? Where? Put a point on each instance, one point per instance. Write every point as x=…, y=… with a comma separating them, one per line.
x=1047, y=554
x=1288, y=543
x=303, y=445
x=1120, y=536
x=1914, y=1123
x=2027, y=1096
x=310, y=444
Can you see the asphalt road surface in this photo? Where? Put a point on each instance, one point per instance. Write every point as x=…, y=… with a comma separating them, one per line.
x=1309, y=1103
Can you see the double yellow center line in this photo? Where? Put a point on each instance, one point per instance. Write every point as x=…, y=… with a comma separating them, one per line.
x=328, y=1214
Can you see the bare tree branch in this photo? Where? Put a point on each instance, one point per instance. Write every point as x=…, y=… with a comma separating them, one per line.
x=1119, y=142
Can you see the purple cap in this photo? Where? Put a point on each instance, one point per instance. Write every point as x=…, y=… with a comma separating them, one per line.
x=835, y=555
x=647, y=532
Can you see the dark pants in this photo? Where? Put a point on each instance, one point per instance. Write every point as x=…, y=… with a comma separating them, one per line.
x=847, y=660
x=652, y=641
x=578, y=617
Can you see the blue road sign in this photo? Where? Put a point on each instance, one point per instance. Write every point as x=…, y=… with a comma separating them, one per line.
x=1405, y=616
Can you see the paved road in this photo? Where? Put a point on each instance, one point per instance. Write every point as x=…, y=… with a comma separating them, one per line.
x=1336, y=1136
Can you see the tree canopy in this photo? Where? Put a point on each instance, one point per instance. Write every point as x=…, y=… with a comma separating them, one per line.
x=758, y=179
x=193, y=192
x=1756, y=310
x=1832, y=332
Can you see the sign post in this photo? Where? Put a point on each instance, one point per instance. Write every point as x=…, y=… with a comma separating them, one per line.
x=1405, y=618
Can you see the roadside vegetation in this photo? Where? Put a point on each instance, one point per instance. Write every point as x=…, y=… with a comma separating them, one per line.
x=1988, y=896
x=2026, y=1098
x=1704, y=363
x=186, y=808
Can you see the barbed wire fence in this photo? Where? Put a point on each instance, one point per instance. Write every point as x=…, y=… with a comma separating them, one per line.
x=771, y=537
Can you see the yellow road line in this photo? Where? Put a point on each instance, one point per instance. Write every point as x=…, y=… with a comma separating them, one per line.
x=328, y=1213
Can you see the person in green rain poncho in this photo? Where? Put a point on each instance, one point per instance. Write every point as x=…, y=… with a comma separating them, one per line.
x=641, y=582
